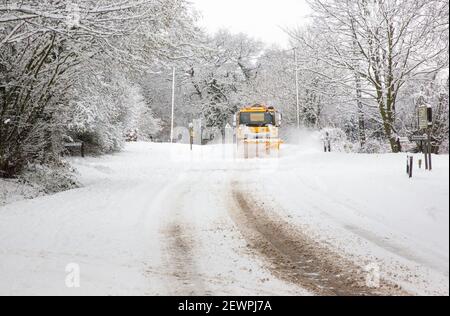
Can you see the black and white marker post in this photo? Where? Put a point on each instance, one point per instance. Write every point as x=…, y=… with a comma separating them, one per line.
x=429, y=130
x=426, y=125
x=410, y=166
x=327, y=143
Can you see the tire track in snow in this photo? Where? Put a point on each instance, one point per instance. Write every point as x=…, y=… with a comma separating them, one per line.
x=180, y=241
x=203, y=248
x=296, y=258
x=394, y=243
x=182, y=261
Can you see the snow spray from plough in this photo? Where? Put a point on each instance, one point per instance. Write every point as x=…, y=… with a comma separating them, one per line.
x=257, y=131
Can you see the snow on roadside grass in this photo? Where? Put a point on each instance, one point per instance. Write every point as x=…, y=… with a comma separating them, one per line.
x=35, y=181
x=12, y=190
x=106, y=227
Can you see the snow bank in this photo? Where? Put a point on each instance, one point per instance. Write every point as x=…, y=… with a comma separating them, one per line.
x=14, y=190
x=37, y=180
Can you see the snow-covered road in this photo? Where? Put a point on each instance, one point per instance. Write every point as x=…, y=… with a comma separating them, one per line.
x=160, y=220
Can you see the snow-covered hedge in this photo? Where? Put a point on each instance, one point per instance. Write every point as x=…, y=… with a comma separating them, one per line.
x=110, y=108
x=375, y=146
x=49, y=178
x=338, y=139
x=37, y=180
x=341, y=143
x=443, y=149
x=13, y=190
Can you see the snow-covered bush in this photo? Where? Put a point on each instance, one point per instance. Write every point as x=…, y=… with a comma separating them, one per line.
x=341, y=143
x=375, y=146
x=37, y=180
x=109, y=110
x=12, y=190
x=94, y=116
x=31, y=100
x=131, y=135
x=443, y=149
x=139, y=118
x=49, y=179
x=48, y=63
x=338, y=140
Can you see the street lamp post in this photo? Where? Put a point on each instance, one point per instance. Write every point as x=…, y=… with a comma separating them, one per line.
x=173, y=107
x=297, y=89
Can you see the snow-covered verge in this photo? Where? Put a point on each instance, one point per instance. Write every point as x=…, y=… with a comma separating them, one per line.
x=366, y=207
x=12, y=190
x=37, y=180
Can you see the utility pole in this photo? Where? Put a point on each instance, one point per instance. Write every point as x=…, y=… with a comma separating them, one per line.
x=297, y=90
x=173, y=106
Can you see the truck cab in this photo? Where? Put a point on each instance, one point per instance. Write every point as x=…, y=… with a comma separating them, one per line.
x=257, y=129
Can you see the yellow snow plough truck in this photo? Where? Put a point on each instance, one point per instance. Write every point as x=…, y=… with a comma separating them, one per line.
x=257, y=131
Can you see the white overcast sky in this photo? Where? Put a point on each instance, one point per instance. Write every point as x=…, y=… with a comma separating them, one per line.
x=261, y=19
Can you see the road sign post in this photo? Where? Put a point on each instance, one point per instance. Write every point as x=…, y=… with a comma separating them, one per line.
x=430, y=149
x=327, y=143
x=429, y=131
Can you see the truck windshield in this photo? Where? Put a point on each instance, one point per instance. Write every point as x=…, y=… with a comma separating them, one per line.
x=257, y=119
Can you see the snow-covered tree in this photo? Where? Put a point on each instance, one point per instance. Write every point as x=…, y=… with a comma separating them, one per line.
x=105, y=106
x=382, y=44
x=220, y=79
x=46, y=46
